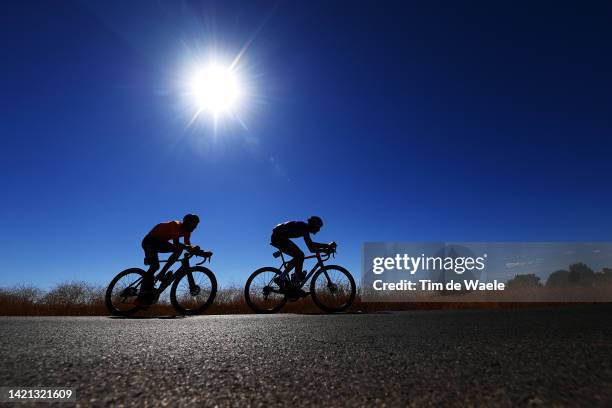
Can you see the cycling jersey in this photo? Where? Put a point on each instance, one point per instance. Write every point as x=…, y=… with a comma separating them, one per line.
x=170, y=230
x=291, y=229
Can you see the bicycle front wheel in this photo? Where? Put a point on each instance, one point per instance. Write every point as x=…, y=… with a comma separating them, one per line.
x=333, y=289
x=193, y=291
x=262, y=294
x=122, y=291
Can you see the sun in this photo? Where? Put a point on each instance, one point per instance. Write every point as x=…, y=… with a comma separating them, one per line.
x=216, y=89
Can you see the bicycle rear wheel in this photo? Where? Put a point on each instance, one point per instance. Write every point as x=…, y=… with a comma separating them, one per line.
x=333, y=289
x=122, y=291
x=261, y=293
x=193, y=291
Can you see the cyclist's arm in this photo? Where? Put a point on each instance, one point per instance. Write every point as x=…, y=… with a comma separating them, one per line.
x=314, y=246
x=178, y=244
x=187, y=239
x=195, y=249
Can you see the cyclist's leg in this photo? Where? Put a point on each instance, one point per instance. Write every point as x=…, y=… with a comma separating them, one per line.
x=291, y=249
x=167, y=247
x=286, y=246
x=150, y=249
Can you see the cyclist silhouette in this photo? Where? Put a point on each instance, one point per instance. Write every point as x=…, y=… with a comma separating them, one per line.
x=281, y=239
x=157, y=241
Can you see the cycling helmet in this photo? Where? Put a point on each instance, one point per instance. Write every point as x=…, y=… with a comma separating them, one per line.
x=191, y=221
x=315, y=222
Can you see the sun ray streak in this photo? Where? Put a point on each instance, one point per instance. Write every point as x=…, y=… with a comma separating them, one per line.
x=250, y=40
x=217, y=86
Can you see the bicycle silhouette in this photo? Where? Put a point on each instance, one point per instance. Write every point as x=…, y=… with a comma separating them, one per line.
x=332, y=287
x=193, y=287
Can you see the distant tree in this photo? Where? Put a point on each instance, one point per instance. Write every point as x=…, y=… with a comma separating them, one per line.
x=524, y=281
x=603, y=278
x=21, y=294
x=580, y=274
x=558, y=279
x=26, y=293
x=72, y=293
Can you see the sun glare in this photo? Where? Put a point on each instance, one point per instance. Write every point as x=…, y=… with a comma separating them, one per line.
x=216, y=89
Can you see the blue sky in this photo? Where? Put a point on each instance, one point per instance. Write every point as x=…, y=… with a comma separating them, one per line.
x=408, y=122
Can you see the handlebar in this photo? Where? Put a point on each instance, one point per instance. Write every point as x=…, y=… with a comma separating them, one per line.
x=203, y=260
x=191, y=252
x=324, y=255
x=329, y=252
x=206, y=256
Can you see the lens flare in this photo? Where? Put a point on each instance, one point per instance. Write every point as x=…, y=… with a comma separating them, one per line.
x=216, y=89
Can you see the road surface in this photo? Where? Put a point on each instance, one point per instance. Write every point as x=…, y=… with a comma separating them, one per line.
x=541, y=356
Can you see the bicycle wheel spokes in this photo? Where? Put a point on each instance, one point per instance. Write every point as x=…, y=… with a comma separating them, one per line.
x=262, y=293
x=333, y=289
x=123, y=290
x=193, y=295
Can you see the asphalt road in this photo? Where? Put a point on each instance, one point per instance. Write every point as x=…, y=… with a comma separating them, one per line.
x=552, y=356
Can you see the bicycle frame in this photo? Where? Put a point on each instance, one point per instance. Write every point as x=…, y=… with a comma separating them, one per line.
x=285, y=268
x=168, y=264
x=184, y=266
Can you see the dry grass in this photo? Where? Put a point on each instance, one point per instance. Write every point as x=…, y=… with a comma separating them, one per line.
x=83, y=299
x=70, y=299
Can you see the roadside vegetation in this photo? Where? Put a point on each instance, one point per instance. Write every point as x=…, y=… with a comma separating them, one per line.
x=84, y=299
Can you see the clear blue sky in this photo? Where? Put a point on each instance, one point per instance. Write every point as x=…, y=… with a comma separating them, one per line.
x=407, y=122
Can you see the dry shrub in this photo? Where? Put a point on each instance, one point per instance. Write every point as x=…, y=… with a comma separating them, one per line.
x=74, y=293
x=71, y=298
x=19, y=300
x=83, y=299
